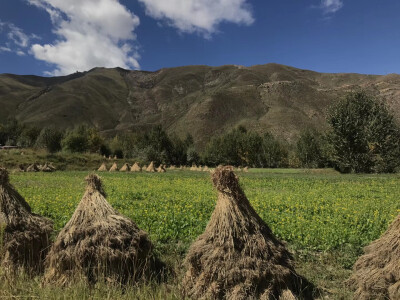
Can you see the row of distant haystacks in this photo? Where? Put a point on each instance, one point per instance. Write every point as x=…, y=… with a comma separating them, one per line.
x=47, y=167
x=207, y=169
x=134, y=168
x=110, y=157
x=160, y=169
x=96, y=244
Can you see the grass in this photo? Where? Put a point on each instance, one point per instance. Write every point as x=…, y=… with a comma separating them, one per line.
x=326, y=218
x=61, y=160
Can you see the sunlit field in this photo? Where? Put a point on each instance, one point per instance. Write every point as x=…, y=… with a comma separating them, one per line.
x=310, y=211
x=325, y=218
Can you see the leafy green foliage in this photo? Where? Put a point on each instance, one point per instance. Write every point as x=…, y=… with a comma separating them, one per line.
x=50, y=139
x=10, y=132
x=29, y=136
x=275, y=155
x=309, y=149
x=82, y=139
x=240, y=147
x=363, y=135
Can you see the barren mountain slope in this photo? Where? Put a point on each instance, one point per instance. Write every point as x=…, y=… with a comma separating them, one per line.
x=201, y=100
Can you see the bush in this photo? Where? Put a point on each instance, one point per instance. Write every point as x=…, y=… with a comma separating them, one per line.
x=274, y=154
x=192, y=156
x=76, y=140
x=28, y=137
x=10, y=132
x=50, y=139
x=245, y=148
x=363, y=135
x=309, y=149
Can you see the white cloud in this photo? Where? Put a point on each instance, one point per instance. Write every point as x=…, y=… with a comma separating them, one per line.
x=20, y=53
x=202, y=16
x=5, y=49
x=331, y=6
x=91, y=33
x=15, y=35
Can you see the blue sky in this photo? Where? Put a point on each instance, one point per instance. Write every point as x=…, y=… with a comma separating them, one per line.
x=57, y=37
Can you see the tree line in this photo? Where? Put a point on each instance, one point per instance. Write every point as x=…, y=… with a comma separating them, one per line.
x=362, y=137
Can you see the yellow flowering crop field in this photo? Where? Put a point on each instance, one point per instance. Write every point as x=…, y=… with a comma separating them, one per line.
x=310, y=211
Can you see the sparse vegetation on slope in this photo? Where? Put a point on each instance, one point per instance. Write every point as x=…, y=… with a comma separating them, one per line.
x=200, y=100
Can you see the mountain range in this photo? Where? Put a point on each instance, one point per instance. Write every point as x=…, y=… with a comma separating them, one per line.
x=200, y=100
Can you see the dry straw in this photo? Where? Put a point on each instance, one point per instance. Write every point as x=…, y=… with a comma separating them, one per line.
x=161, y=169
x=135, y=168
x=102, y=168
x=237, y=256
x=48, y=168
x=100, y=244
x=125, y=168
x=151, y=168
x=114, y=167
x=24, y=236
x=376, y=274
x=33, y=168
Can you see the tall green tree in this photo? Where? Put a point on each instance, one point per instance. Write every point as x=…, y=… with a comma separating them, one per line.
x=275, y=154
x=50, y=139
x=10, y=131
x=363, y=135
x=309, y=149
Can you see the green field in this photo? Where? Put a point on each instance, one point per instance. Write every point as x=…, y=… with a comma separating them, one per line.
x=325, y=218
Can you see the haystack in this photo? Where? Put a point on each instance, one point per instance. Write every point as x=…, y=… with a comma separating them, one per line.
x=376, y=274
x=246, y=169
x=150, y=168
x=100, y=244
x=48, y=168
x=33, y=168
x=193, y=168
x=237, y=256
x=114, y=167
x=206, y=169
x=135, y=168
x=24, y=236
x=172, y=167
x=102, y=168
x=125, y=168
x=161, y=169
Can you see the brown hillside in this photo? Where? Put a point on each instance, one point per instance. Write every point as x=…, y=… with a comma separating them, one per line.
x=201, y=100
